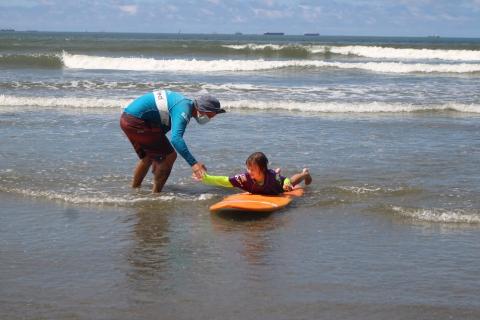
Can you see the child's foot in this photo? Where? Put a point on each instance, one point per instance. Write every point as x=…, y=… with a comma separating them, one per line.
x=308, y=177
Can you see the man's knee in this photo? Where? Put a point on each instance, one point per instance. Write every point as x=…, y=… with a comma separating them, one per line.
x=146, y=161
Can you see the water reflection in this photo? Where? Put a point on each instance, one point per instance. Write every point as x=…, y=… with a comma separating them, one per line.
x=148, y=256
x=255, y=231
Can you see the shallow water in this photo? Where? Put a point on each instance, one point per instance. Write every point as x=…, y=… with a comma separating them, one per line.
x=388, y=229
x=389, y=226
x=178, y=261
x=422, y=166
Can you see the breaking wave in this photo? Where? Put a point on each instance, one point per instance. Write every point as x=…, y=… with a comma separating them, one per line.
x=92, y=62
x=75, y=61
x=377, y=52
x=246, y=105
x=349, y=107
x=62, y=102
x=47, y=61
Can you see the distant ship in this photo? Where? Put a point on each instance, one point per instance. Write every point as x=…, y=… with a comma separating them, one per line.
x=311, y=34
x=274, y=34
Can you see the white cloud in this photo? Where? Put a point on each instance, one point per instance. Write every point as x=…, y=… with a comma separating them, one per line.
x=310, y=13
x=207, y=12
x=19, y=3
x=170, y=8
x=476, y=4
x=238, y=19
x=129, y=9
x=269, y=3
x=454, y=18
x=214, y=1
x=271, y=14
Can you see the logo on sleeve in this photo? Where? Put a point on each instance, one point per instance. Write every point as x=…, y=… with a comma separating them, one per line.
x=185, y=116
x=241, y=179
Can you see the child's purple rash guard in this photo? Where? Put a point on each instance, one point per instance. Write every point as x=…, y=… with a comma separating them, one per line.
x=273, y=183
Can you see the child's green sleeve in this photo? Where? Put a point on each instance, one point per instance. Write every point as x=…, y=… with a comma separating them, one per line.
x=287, y=182
x=221, y=181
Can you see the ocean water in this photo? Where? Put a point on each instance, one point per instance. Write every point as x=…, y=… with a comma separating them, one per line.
x=390, y=227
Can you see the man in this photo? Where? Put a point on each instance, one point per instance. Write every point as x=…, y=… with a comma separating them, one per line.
x=148, y=118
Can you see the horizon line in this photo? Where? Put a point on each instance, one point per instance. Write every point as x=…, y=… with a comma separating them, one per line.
x=239, y=33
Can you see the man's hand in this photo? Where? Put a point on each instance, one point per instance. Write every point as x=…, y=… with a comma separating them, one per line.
x=198, y=171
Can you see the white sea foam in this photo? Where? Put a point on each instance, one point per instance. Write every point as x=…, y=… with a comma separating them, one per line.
x=184, y=65
x=375, y=190
x=362, y=190
x=69, y=103
x=345, y=107
x=439, y=215
x=377, y=52
x=406, y=53
x=101, y=198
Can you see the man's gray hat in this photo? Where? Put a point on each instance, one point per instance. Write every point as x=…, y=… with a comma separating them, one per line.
x=208, y=104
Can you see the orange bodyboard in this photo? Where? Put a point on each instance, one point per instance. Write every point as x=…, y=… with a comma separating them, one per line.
x=256, y=202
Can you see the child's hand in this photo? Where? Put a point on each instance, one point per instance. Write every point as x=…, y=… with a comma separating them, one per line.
x=199, y=170
x=287, y=187
x=278, y=170
x=197, y=178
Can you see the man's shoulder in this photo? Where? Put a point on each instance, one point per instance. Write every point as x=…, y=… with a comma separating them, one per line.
x=147, y=99
x=176, y=98
x=174, y=95
x=179, y=105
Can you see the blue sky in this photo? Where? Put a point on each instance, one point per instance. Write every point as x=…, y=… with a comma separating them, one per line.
x=460, y=18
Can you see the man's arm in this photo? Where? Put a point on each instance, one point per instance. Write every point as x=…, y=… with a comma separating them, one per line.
x=180, y=120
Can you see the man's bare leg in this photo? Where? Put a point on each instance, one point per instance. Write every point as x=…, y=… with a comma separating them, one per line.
x=140, y=172
x=161, y=172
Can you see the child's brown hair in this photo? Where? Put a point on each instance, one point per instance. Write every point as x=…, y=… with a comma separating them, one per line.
x=258, y=158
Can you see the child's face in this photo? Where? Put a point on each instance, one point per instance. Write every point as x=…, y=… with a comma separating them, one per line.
x=255, y=172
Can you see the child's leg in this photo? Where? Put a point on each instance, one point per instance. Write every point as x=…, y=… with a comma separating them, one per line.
x=299, y=177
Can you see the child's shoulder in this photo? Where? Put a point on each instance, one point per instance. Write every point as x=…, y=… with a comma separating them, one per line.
x=241, y=178
x=274, y=174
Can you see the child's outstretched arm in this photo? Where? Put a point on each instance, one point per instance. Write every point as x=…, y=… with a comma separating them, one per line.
x=220, y=181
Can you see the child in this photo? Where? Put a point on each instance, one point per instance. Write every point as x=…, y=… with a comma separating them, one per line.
x=259, y=179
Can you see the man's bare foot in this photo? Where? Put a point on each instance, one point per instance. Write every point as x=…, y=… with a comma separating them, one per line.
x=308, y=177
